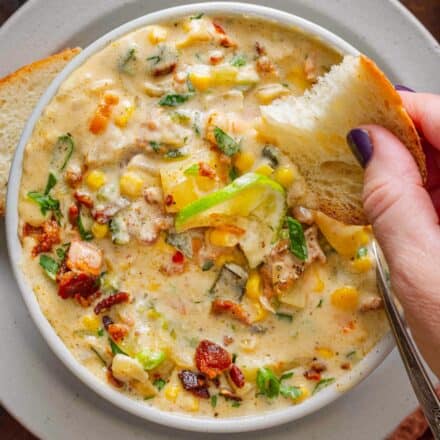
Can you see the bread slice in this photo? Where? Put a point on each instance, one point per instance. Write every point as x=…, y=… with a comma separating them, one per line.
x=311, y=130
x=19, y=93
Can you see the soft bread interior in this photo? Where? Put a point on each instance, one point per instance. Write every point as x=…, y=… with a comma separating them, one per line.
x=19, y=93
x=312, y=130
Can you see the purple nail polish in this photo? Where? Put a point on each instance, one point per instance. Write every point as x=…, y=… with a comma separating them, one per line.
x=360, y=144
x=401, y=88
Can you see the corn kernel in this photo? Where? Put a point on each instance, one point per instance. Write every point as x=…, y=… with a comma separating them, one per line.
x=325, y=352
x=91, y=322
x=284, y=176
x=153, y=287
x=157, y=34
x=153, y=314
x=304, y=394
x=95, y=179
x=222, y=238
x=98, y=230
x=130, y=185
x=122, y=120
x=362, y=264
x=244, y=161
x=253, y=285
x=265, y=170
x=250, y=373
x=261, y=312
x=345, y=298
x=171, y=392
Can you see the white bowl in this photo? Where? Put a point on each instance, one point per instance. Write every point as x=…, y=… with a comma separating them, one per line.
x=175, y=420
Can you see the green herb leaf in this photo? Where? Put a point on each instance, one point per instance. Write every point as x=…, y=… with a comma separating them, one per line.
x=320, y=303
x=286, y=376
x=51, y=182
x=63, y=151
x=193, y=170
x=234, y=357
x=126, y=64
x=174, y=154
x=225, y=142
x=284, y=316
x=45, y=200
x=351, y=354
x=290, y=391
x=150, y=359
x=362, y=252
x=115, y=348
x=298, y=245
x=267, y=383
x=233, y=173
x=197, y=17
x=180, y=118
x=214, y=400
x=190, y=85
x=322, y=384
x=155, y=59
x=238, y=61
x=208, y=264
x=49, y=265
x=173, y=100
x=155, y=146
x=62, y=251
x=235, y=404
x=159, y=383
x=100, y=332
x=99, y=356
x=85, y=235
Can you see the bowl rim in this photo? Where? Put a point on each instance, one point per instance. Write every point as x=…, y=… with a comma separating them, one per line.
x=175, y=420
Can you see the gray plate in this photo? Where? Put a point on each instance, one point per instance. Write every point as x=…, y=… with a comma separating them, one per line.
x=36, y=387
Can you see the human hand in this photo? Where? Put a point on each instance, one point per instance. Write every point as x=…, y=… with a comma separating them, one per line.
x=405, y=216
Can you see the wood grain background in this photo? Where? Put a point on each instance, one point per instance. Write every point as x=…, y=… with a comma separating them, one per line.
x=427, y=11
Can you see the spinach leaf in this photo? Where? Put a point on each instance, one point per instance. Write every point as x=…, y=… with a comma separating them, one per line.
x=225, y=142
x=62, y=251
x=322, y=384
x=49, y=265
x=238, y=61
x=298, y=245
x=233, y=173
x=267, y=383
x=173, y=100
x=208, y=264
x=286, y=376
x=51, y=182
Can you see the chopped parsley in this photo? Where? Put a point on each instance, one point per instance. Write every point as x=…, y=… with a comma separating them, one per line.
x=284, y=316
x=173, y=100
x=298, y=245
x=62, y=251
x=100, y=332
x=63, y=151
x=235, y=404
x=322, y=384
x=233, y=173
x=238, y=61
x=49, y=265
x=155, y=59
x=226, y=143
x=155, y=146
x=159, y=383
x=234, y=357
x=85, y=235
x=127, y=63
x=208, y=264
x=270, y=386
x=320, y=303
x=45, y=200
x=290, y=391
x=197, y=17
x=214, y=399
x=173, y=154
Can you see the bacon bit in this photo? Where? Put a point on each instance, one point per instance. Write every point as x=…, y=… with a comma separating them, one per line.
x=229, y=395
x=225, y=41
x=349, y=327
x=83, y=199
x=236, y=376
x=312, y=375
x=73, y=178
x=228, y=340
x=86, y=302
x=206, y=171
x=108, y=302
x=165, y=70
x=112, y=379
x=260, y=49
x=220, y=306
x=73, y=214
x=212, y=359
x=195, y=383
x=118, y=331
x=318, y=366
x=346, y=366
x=169, y=200
x=106, y=321
x=218, y=28
x=178, y=257
x=100, y=119
x=84, y=257
x=216, y=56
x=265, y=65
x=74, y=283
x=46, y=236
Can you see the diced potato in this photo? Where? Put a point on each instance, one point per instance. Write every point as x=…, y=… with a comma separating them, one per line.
x=269, y=92
x=157, y=34
x=125, y=369
x=345, y=298
x=198, y=30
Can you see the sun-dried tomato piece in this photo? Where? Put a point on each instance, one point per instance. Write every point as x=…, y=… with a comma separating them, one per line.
x=118, y=331
x=219, y=306
x=260, y=48
x=211, y=358
x=73, y=214
x=108, y=302
x=85, y=301
x=206, y=171
x=218, y=28
x=195, y=383
x=312, y=375
x=236, y=376
x=77, y=284
x=46, y=236
x=83, y=199
x=178, y=257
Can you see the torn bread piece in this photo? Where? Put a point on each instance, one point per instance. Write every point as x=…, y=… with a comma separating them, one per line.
x=312, y=130
x=19, y=93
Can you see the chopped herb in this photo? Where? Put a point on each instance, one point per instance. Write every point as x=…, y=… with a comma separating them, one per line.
x=155, y=146
x=115, y=348
x=159, y=383
x=197, y=17
x=193, y=342
x=351, y=354
x=190, y=85
x=126, y=64
x=155, y=59
x=284, y=316
x=100, y=332
x=208, y=264
x=290, y=391
x=173, y=154
x=233, y=173
x=286, y=376
x=322, y=384
x=49, y=265
x=45, y=200
x=180, y=118
x=234, y=357
x=150, y=359
x=267, y=383
x=214, y=400
x=196, y=123
x=149, y=397
x=85, y=235
x=362, y=252
x=173, y=100
x=99, y=356
x=225, y=142
x=51, y=182
x=63, y=151
x=285, y=85
x=272, y=153
x=193, y=170
x=62, y=251
x=298, y=245
x=320, y=303
x=235, y=404
x=238, y=61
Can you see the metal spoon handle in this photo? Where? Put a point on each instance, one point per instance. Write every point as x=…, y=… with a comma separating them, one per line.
x=420, y=381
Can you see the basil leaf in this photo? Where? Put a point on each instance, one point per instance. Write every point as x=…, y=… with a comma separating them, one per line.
x=298, y=245
x=85, y=235
x=127, y=63
x=238, y=61
x=159, y=383
x=193, y=170
x=225, y=142
x=267, y=383
x=173, y=100
x=63, y=151
x=46, y=202
x=290, y=391
x=49, y=265
x=322, y=384
x=115, y=348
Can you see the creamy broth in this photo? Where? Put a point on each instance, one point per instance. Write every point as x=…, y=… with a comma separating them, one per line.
x=220, y=309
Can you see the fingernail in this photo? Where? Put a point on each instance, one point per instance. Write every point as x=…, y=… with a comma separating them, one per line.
x=402, y=88
x=360, y=144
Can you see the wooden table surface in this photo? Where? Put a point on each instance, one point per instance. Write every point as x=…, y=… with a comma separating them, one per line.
x=427, y=11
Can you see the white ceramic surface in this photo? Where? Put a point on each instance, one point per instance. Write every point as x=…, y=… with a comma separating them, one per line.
x=36, y=387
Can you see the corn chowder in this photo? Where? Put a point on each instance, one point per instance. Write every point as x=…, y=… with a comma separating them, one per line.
x=161, y=231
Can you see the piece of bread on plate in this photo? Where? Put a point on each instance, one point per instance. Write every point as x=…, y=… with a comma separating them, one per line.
x=311, y=129
x=19, y=93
